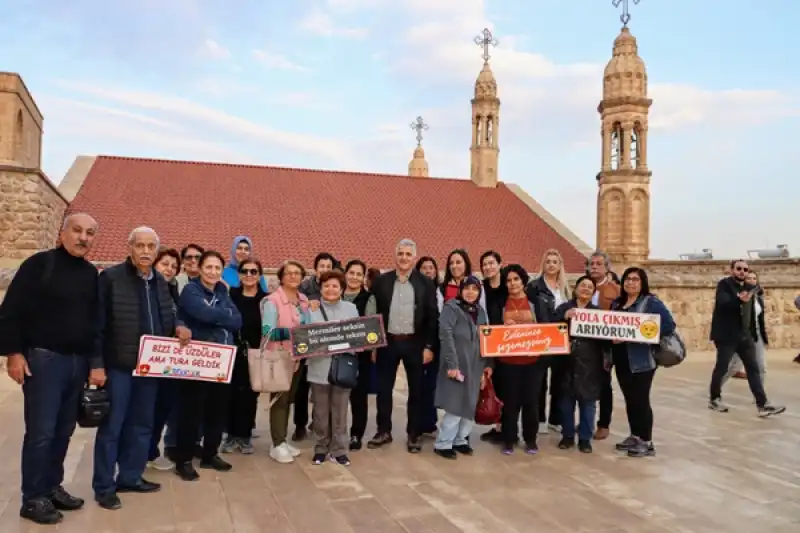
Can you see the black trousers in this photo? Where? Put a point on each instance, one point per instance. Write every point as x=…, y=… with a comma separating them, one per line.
x=301, y=397
x=636, y=391
x=243, y=403
x=521, y=391
x=203, y=404
x=359, y=404
x=606, y=402
x=746, y=348
x=407, y=350
x=553, y=414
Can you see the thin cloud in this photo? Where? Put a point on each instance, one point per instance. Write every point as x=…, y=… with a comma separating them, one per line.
x=320, y=23
x=277, y=61
x=213, y=50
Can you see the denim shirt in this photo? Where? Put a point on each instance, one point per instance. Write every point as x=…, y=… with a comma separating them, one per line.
x=640, y=355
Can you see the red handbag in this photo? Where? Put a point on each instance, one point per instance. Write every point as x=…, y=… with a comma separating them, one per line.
x=489, y=406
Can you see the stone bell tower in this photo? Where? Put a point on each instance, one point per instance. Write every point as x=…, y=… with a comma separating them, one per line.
x=418, y=167
x=485, y=121
x=623, y=196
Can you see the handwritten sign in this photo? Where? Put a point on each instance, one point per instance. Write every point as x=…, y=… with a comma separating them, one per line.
x=615, y=325
x=162, y=357
x=524, y=339
x=339, y=336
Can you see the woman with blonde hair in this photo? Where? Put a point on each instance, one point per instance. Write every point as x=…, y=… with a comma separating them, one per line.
x=547, y=292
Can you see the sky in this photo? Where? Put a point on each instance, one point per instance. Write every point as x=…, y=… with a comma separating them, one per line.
x=335, y=84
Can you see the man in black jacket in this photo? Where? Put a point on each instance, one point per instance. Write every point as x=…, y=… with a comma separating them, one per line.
x=134, y=300
x=47, y=331
x=733, y=330
x=407, y=302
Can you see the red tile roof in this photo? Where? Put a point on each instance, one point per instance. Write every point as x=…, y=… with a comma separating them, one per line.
x=296, y=213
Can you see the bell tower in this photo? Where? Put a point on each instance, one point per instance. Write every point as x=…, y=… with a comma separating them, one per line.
x=418, y=167
x=623, y=196
x=20, y=125
x=485, y=120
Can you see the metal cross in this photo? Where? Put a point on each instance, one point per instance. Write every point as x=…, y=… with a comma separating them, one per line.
x=419, y=126
x=486, y=40
x=626, y=16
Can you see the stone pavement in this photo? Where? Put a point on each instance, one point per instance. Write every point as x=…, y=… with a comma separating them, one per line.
x=714, y=472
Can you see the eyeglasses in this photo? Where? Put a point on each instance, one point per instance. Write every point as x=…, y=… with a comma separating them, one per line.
x=633, y=280
x=249, y=271
x=191, y=257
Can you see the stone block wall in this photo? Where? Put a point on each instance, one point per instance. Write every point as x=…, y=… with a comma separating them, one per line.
x=688, y=288
x=31, y=212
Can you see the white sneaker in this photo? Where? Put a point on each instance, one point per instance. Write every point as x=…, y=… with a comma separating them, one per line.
x=292, y=450
x=543, y=428
x=281, y=454
x=555, y=428
x=161, y=463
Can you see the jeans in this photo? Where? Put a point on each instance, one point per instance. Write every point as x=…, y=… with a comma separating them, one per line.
x=586, y=414
x=166, y=412
x=51, y=399
x=453, y=431
x=330, y=418
x=746, y=349
x=123, y=440
x=429, y=416
x=738, y=366
x=409, y=351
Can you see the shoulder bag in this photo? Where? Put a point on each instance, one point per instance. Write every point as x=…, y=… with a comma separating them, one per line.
x=344, y=366
x=671, y=350
x=271, y=370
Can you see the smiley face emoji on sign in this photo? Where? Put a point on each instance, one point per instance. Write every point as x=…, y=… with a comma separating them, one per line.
x=144, y=369
x=372, y=337
x=648, y=329
x=302, y=348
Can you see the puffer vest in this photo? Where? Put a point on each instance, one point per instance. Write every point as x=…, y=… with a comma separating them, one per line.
x=123, y=323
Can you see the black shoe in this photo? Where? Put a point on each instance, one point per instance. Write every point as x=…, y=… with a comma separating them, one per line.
x=198, y=451
x=355, y=443
x=642, y=449
x=64, y=501
x=464, y=449
x=143, y=487
x=796, y=359
x=41, y=511
x=318, y=458
x=447, y=454
x=770, y=410
x=585, y=446
x=186, y=472
x=626, y=444
x=109, y=501
x=566, y=443
x=342, y=460
x=414, y=444
x=216, y=463
x=380, y=439
x=493, y=436
x=300, y=434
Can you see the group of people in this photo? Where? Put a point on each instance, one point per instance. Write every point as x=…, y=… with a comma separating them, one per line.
x=63, y=326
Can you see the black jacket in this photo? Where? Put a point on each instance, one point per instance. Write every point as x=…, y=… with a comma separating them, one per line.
x=726, y=319
x=543, y=301
x=121, y=310
x=581, y=372
x=360, y=301
x=426, y=310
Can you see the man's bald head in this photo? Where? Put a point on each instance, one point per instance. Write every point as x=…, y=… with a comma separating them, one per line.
x=77, y=233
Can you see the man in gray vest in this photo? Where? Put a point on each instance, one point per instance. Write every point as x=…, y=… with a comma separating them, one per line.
x=134, y=300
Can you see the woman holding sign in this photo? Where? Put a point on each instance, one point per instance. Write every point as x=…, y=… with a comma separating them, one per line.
x=208, y=311
x=634, y=362
x=583, y=373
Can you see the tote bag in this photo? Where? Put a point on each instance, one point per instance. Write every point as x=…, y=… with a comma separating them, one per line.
x=489, y=406
x=270, y=370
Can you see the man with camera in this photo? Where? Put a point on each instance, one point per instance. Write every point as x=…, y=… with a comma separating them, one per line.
x=47, y=334
x=733, y=331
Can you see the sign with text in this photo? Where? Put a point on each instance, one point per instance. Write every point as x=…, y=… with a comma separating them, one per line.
x=163, y=357
x=615, y=325
x=338, y=336
x=524, y=339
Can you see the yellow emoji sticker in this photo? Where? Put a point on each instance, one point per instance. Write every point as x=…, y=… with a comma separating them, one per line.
x=649, y=329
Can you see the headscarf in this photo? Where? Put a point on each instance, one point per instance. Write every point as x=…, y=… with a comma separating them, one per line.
x=470, y=308
x=236, y=241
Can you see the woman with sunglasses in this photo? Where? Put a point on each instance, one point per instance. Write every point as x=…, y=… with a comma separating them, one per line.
x=244, y=402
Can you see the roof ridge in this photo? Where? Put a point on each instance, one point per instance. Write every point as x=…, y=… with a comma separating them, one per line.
x=272, y=167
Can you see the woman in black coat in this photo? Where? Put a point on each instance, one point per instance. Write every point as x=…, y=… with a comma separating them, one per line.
x=581, y=375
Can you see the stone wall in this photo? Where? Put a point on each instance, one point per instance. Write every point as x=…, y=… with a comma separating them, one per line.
x=688, y=288
x=31, y=211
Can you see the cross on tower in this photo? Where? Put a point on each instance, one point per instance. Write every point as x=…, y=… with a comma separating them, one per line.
x=485, y=40
x=625, y=17
x=419, y=126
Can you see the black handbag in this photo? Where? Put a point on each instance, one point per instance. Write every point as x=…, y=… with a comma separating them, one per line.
x=344, y=366
x=94, y=408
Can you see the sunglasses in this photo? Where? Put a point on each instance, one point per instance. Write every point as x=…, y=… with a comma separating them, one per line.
x=742, y=269
x=249, y=271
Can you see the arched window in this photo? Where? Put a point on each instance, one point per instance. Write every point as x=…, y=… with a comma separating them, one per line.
x=616, y=146
x=489, y=130
x=635, y=145
x=479, y=130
